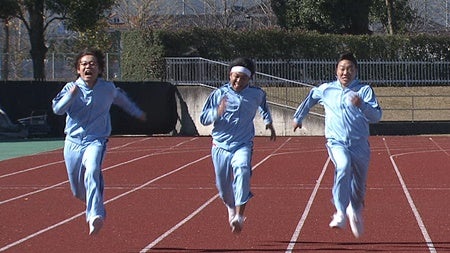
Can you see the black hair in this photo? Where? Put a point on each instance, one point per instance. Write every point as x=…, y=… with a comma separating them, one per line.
x=244, y=62
x=348, y=56
x=97, y=53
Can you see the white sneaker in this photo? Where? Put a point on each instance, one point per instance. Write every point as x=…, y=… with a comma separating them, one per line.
x=231, y=213
x=338, y=220
x=95, y=224
x=237, y=223
x=356, y=221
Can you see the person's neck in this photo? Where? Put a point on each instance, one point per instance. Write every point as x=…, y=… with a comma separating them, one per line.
x=91, y=83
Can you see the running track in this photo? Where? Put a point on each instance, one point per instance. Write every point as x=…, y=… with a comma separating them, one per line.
x=160, y=197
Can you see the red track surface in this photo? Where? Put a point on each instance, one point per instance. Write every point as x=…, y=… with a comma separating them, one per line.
x=160, y=197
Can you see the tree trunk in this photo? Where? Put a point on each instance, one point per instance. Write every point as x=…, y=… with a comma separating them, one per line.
x=390, y=25
x=5, y=59
x=37, y=40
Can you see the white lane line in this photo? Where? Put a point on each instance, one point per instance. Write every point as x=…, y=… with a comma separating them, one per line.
x=156, y=179
x=30, y=169
x=62, y=161
x=419, y=220
x=203, y=206
x=439, y=146
x=105, y=169
x=179, y=224
x=33, y=192
x=302, y=220
x=130, y=143
x=106, y=202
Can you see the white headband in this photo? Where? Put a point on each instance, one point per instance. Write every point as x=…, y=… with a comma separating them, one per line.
x=242, y=70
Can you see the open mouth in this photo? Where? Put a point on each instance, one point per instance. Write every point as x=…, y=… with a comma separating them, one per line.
x=88, y=73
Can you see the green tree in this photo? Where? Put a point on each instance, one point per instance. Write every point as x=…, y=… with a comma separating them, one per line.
x=324, y=16
x=36, y=15
x=395, y=16
x=342, y=16
x=280, y=7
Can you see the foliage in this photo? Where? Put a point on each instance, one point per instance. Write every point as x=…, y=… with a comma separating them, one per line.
x=142, y=56
x=144, y=51
x=8, y=8
x=96, y=37
x=279, y=7
x=324, y=16
x=340, y=16
x=402, y=16
x=80, y=15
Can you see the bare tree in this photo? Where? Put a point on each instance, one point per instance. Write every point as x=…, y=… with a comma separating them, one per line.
x=140, y=14
x=432, y=16
x=194, y=13
x=5, y=59
x=7, y=12
x=36, y=15
x=224, y=14
x=15, y=48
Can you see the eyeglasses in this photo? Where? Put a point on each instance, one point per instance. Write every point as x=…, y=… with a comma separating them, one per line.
x=90, y=63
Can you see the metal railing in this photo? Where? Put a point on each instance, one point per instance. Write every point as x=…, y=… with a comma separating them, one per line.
x=59, y=67
x=290, y=93
x=186, y=71
x=313, y=72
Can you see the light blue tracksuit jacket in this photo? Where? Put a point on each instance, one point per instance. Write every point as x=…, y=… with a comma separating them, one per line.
x=347, y=132
x=88, y=126
x=233, y=135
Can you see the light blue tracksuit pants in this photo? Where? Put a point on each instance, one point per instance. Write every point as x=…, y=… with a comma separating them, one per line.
x=233, y=172
x=83, y=163
x=351, y=162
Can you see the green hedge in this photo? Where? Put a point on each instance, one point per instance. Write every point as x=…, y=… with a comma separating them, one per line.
x=143, y=51
x=142, y=56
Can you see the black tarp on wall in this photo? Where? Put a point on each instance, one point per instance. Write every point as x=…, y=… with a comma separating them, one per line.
x=21, y=98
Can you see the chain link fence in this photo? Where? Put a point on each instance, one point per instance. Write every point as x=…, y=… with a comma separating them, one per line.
x=58, y=67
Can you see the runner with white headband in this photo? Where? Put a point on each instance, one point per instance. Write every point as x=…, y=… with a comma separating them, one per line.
x=241, y=70
x=232, y=109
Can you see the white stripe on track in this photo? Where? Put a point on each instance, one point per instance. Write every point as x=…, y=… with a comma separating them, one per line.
x=301, y=222
x=62, y=161
x=203, y=206
x=105, y=169
x=110, y=200
x=130, y=143
x=33, y=192
x=179, y=224
x=439, y=146
x=30, y=169
x=419, y=220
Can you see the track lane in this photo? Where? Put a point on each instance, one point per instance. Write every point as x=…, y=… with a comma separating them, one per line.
x=9, y=225
x=271, y=213
x=282, y=183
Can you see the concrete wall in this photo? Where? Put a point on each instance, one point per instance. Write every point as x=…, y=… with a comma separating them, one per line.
x=190, y=100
